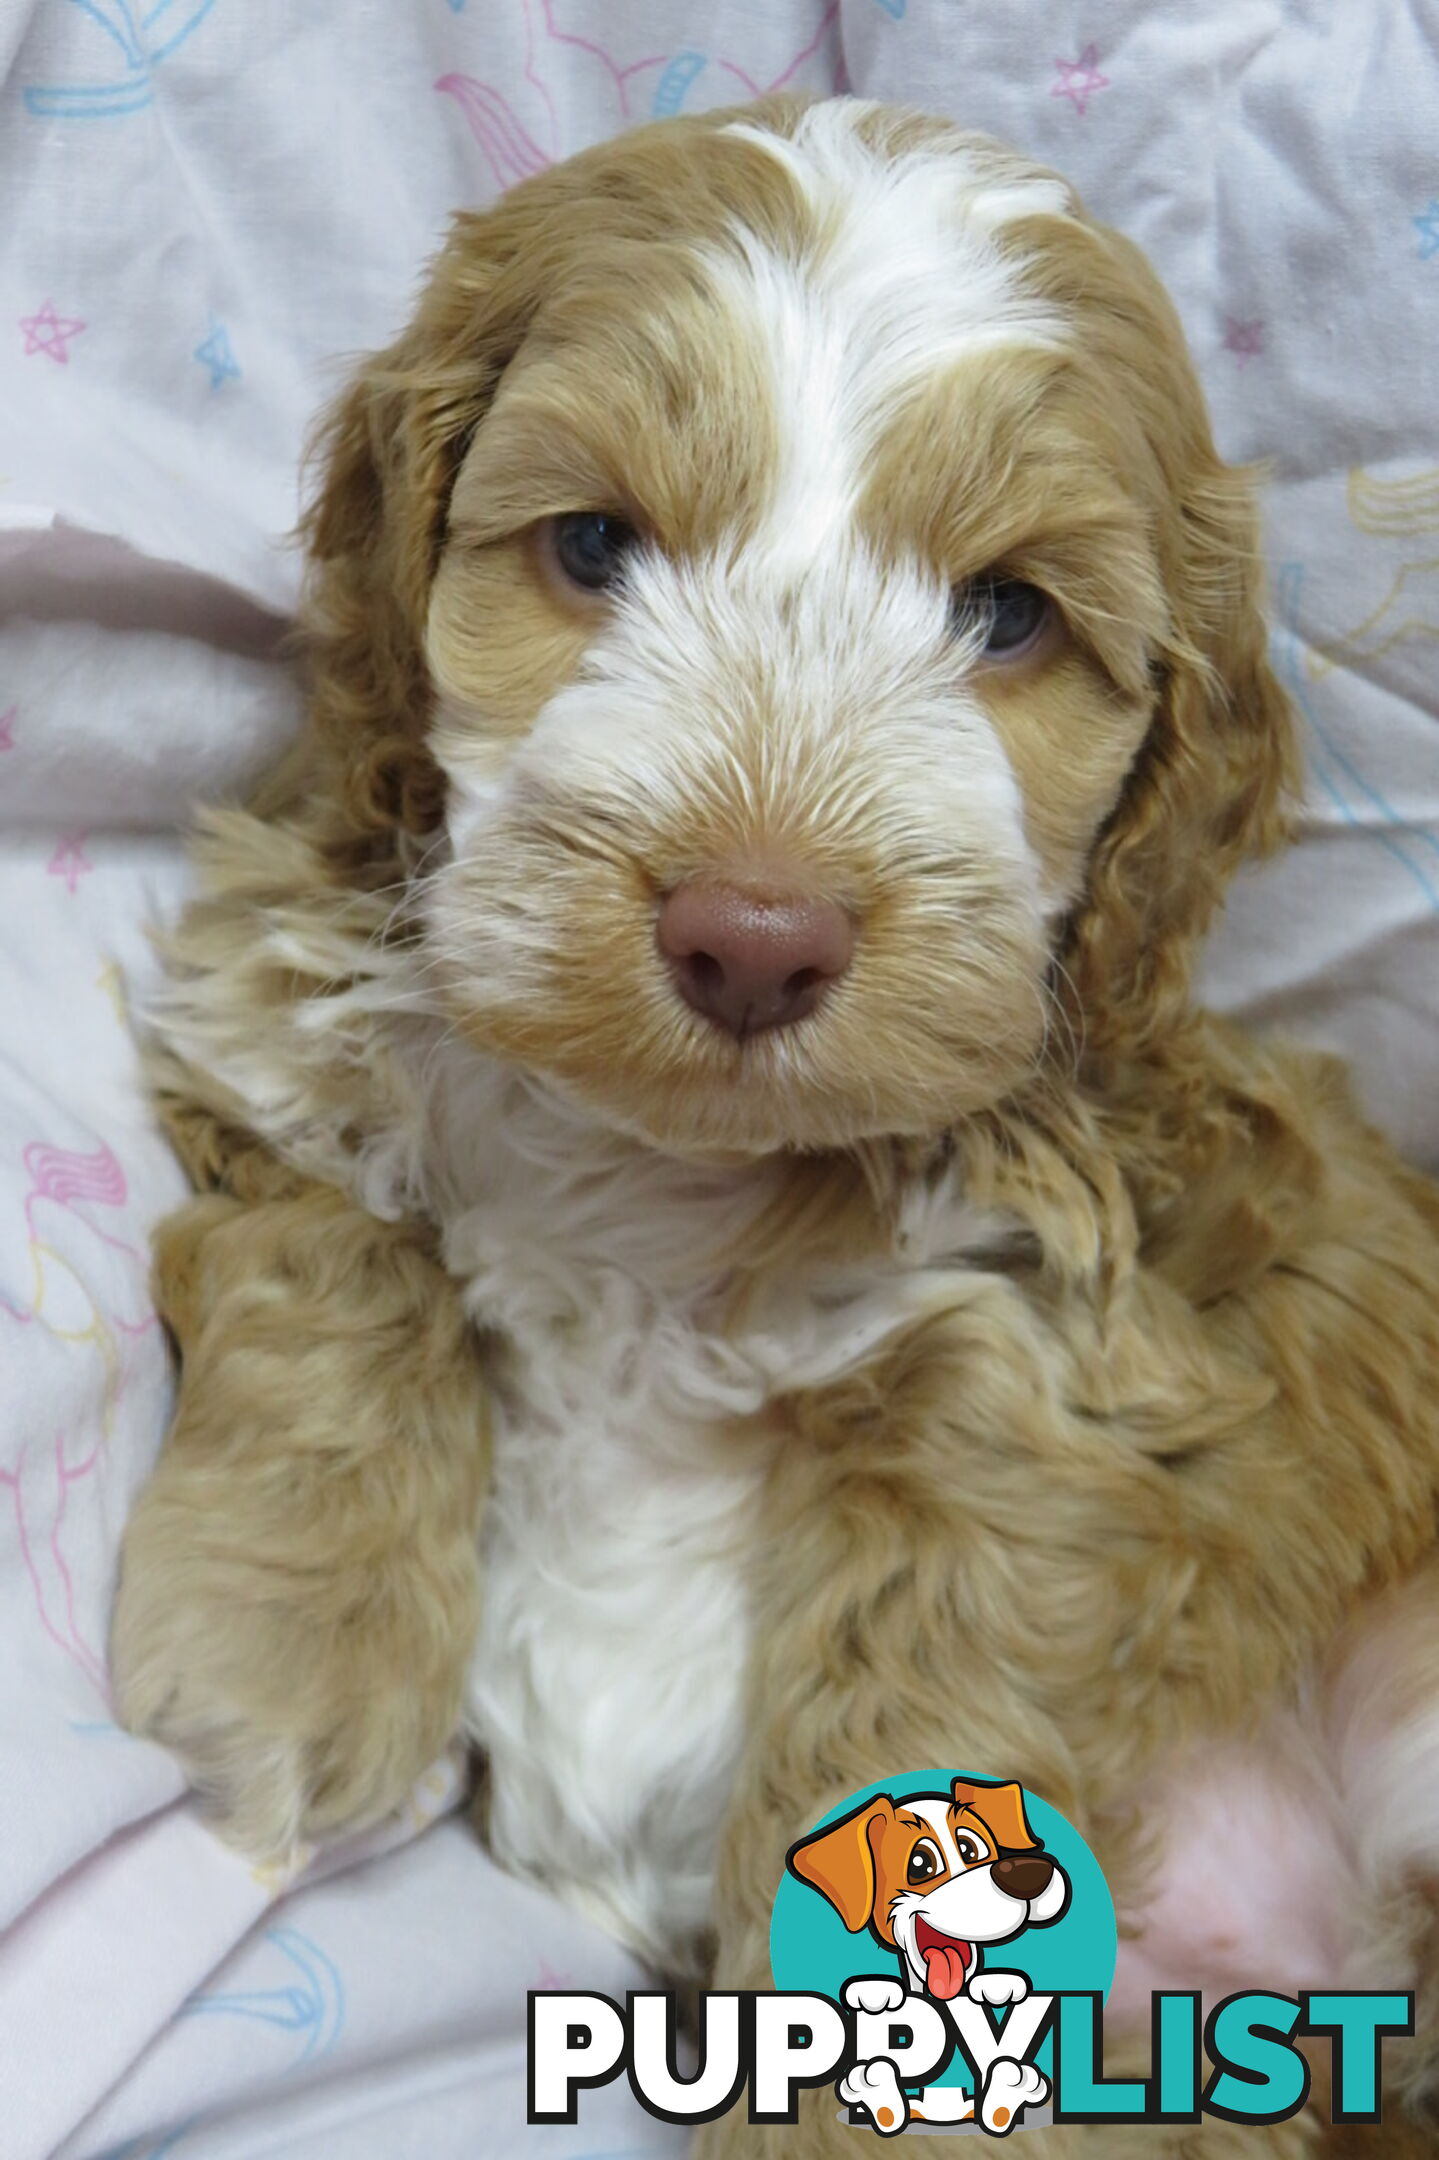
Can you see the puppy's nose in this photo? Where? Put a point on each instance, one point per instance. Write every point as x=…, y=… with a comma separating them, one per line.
x=1024, y=1877
x=747, y=961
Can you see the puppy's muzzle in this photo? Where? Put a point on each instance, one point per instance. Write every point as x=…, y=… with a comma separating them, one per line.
x=748, y=961
x=1026, y=1876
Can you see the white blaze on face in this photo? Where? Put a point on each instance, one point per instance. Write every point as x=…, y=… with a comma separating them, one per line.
x=906, y=280
x=867, y=725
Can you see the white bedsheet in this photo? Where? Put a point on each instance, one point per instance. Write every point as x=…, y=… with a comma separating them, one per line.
x=207, y=201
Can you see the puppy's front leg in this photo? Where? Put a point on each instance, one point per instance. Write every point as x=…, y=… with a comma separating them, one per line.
x=299, y=1594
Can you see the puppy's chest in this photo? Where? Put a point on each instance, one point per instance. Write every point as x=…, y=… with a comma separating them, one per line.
x=633, y=1432
x=608, y=1677
x=624, y=1493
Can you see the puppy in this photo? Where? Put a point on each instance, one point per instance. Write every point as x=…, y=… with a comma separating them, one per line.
x=726, y=1262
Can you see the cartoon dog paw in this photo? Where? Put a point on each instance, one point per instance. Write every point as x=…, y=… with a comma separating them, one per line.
x=1009, y=2089
x=877, y=1994
x=874, y=2087
x=997, y=1988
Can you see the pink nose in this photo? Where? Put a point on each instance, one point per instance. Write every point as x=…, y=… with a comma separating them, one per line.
x=747, y=961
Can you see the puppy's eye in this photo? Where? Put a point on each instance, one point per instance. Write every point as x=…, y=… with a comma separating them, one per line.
x=924, y=1862
x=969, y=1850
x=1010, y=615
x=590, y=547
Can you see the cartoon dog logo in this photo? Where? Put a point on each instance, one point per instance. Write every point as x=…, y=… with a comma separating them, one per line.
x=938, y=1879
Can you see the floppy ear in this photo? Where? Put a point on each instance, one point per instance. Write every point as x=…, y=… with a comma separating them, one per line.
x=389, y=451
x=393, y=444
x=1001, y=1807
x=839, y=1861
x=1209, y=787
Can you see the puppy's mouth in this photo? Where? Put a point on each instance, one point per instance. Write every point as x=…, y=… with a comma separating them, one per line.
x=946, y=1960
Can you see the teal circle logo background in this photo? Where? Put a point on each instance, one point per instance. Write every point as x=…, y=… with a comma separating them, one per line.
x=811, y=1949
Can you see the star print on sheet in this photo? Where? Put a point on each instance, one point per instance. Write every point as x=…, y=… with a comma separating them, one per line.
x=49, y=333
x=1080, y=79
x=216, y=354
x=70, y=861
x=1427, y=227
x=1244, y=339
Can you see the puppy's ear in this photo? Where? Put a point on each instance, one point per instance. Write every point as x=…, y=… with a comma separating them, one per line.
x=391, y=448
x=1210, y=785
x=388, y=453
x=839, y=1861
x=1000, y=1808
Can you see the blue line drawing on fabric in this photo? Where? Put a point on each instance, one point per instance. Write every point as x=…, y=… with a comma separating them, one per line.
x=1331, y=767
x=1427, y=227
x=217, y=354
x=145, y=41
x=674, y=84
x=895, y=8
x=313, y=2005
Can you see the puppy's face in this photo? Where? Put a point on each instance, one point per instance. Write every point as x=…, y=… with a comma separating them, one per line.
x=799, y=617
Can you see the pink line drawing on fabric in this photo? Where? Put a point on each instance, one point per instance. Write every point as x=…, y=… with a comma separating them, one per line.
x=786, y=74
x=70, y=861
x=64, y=1629
x=7, y=727
x=61, y=1175
x=1244, y=337
x=69, y=1474
x=49, y=333
x=89, y=1290
x=514, y=149
x=1080, y=80
x=66, y=1178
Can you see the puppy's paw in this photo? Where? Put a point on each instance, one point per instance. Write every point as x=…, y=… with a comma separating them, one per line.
x=875, y=2087
x=875, y=1993
x=997, y=1987
x=1009, y=2089
x=303, y=1701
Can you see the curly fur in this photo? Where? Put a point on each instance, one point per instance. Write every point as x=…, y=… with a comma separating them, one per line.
x=1053, y=1372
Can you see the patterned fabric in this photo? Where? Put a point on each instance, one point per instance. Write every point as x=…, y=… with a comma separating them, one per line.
x=207, y=202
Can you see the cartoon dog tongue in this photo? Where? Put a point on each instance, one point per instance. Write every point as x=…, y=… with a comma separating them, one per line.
x=944, y=1966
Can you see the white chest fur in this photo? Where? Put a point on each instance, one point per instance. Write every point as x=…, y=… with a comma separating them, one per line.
x=630, y=1458
x=606, y=1684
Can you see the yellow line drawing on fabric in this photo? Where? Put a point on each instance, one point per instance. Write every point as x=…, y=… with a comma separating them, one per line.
x=88, y=1290
x=1409, y=609
x=1389, y=509
x=111, y=981
x=1394, y=506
